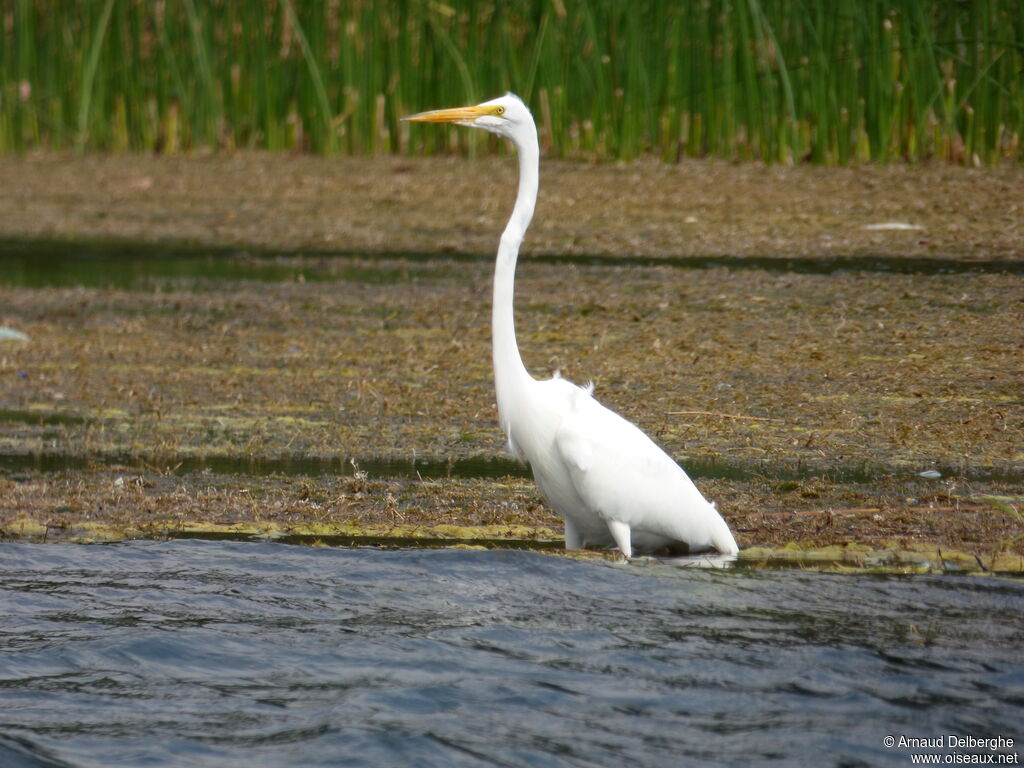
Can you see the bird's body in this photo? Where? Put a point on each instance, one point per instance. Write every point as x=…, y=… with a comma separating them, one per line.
x=608, y=480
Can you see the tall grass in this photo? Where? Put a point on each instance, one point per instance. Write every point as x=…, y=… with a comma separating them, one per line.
x=829, y=81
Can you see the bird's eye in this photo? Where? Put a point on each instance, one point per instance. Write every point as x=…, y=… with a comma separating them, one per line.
x=499, y=111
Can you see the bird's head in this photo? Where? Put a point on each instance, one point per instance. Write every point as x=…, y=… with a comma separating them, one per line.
x=506, y=116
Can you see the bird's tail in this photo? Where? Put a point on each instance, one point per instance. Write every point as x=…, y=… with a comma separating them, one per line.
x=722, y=538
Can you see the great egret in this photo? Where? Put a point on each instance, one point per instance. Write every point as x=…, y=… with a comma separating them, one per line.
x=607, y=479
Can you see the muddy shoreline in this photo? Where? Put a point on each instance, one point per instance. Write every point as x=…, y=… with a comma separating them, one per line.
x=439, y=205
x=860, y=376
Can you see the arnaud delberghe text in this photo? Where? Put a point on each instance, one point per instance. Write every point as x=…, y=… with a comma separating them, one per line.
x=952, y=741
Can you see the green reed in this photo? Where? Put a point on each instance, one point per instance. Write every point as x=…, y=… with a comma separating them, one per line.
x=828, y=81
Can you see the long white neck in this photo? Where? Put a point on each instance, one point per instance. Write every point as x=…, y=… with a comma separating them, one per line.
x=510, y=375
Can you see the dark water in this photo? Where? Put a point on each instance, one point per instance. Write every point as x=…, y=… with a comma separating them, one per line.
x=226, y=654
x=125, y=264
x=432, y=468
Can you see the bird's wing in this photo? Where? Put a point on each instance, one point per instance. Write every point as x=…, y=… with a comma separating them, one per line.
x=612, y=463
x=621, y=475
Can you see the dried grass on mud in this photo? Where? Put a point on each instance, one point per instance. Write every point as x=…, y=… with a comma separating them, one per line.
x=771, y=371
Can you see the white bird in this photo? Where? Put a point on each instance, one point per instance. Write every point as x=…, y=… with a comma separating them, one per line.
x=608, y=480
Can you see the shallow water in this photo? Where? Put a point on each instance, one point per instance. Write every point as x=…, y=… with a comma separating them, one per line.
x=197, y=653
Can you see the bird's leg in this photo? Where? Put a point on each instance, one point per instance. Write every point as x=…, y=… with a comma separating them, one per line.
x=620, y=532
x=573, y=540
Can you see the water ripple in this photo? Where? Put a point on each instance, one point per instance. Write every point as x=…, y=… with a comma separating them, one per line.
x=197, y=653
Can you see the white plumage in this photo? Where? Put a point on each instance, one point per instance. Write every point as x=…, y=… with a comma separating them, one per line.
x=608, y=480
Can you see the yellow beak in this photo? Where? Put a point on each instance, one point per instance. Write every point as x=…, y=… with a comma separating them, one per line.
x=457, y=115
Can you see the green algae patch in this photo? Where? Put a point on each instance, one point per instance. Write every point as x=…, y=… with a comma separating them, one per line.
x=897, y=557
x=883, y=558
x=56, y=529
x=344, y=534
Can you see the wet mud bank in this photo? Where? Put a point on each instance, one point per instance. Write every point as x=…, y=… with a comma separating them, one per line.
x=282, y=343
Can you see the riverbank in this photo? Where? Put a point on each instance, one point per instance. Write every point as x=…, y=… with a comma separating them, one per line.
x=807, y=397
